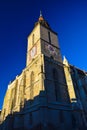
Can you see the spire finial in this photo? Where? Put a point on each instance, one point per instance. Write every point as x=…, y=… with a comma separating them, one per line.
x=40, y=13
x=41, y=17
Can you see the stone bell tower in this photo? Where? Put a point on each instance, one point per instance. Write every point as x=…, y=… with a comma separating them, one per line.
x=43, y=40
x=45, y=62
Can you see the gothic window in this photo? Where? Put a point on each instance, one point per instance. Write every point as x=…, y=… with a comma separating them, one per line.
x=32, y=77
x=61, y=118
x=41, y=68
x=55, y=75
x=12, y=105
x=57, y=89
x=12, y=98
x=32, y=85
x=49, y=37
x=15, y=92
x=73, y=121
x=30, y=119
x=33, y=39
x=4, y=110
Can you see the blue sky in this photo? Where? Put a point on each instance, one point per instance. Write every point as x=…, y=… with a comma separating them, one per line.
x=17, y=17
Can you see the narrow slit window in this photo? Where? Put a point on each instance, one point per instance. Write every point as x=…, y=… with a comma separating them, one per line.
x=33, y=39
x=49, y=37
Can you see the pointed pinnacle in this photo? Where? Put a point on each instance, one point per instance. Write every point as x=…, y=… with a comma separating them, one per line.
x=40, y=13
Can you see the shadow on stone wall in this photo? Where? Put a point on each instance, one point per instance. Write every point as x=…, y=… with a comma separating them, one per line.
x=25, y=120
x=17, y=121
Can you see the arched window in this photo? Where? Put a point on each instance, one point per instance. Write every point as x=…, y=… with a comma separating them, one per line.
x=32, y=85
x=32, y=77
x=4, y=111
x=56, y=85
x=30, y=115
x=12, y=98
x=55, y=74
x=73, y=121
x=15, y=95
x=61, y=116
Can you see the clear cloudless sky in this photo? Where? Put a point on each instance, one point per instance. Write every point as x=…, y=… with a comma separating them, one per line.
x=17, y=17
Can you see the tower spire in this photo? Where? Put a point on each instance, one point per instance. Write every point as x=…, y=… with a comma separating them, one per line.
x=40, y=13
x=41, y=16
x=42, y=21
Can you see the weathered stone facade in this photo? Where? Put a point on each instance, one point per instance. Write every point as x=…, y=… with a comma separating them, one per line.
x=44, y=96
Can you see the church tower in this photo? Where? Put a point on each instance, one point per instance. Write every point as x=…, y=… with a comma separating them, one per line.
x=43, y=40
x=45, y=62
x=38, y=98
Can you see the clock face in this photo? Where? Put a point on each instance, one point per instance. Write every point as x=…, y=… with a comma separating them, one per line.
x=33, y=52
x=51, y=50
